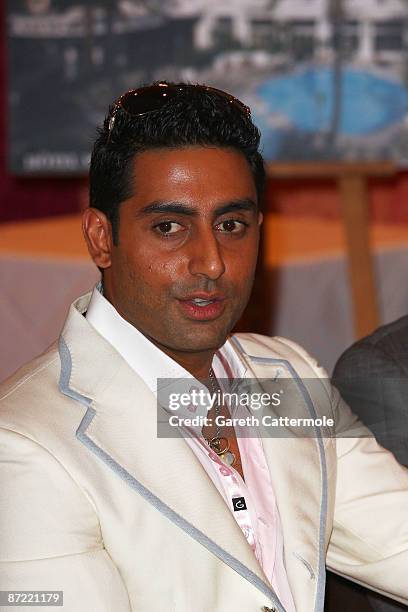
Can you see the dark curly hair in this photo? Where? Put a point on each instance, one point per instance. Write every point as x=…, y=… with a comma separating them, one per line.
x=195, y=117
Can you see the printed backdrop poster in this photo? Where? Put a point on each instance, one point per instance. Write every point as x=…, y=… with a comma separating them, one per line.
x=326, y=79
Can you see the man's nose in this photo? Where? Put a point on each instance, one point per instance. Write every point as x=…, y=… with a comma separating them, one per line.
x=206, y=256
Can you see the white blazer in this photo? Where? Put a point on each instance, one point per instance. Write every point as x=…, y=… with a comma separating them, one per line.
x=94, y=504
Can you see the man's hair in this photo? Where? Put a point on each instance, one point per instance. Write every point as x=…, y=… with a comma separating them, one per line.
x=195, y=117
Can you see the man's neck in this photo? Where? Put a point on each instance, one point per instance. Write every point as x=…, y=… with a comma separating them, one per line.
x=198, y=364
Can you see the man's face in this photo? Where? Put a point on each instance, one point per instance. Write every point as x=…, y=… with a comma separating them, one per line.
x=183, y=268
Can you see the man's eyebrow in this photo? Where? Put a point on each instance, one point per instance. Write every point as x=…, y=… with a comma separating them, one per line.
x=180, y=208
x=168, y=207
x=235, y=205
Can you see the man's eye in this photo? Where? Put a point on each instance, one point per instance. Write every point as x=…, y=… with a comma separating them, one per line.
x=168, y=227
x=231, y=226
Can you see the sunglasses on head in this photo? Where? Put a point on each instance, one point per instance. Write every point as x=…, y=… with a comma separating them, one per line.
x=144, y=100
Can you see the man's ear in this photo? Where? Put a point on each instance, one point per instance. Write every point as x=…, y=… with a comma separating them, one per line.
x=97, y=231
x=260, y=218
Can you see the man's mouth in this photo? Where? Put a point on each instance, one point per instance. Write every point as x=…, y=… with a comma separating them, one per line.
x=200, y=302
x=202, y=308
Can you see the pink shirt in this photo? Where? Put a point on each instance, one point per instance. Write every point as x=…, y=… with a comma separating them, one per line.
x=260, y=521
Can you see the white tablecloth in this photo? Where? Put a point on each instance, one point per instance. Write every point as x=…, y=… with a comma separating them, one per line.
x=311, y=302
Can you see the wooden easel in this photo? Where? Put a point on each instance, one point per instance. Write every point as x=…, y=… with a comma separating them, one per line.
x=351, y=178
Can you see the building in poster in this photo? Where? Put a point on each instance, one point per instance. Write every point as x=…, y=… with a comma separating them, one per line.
x=325, y=78
x=66, y=65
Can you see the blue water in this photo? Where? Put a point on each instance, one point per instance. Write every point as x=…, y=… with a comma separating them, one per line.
x=368, y=103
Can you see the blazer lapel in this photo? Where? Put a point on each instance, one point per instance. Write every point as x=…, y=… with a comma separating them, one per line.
x=297, y=467
x=120, y=428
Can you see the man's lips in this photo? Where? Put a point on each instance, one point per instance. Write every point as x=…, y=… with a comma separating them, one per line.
x=202, y=306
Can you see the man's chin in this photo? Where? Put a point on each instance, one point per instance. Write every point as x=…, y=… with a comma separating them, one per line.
x=198, y=341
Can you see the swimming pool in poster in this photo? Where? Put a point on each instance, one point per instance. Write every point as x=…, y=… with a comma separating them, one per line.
x=369, y=103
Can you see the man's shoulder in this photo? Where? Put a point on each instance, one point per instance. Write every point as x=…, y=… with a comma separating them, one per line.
x=260, y=348
x=386, y=347
x=29, y=373
x=396, y=330
x=260, y=345
x=30, y=389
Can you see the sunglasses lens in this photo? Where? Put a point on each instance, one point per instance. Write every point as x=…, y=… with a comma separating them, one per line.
x=232, y=100
x=147, y=99
x=138, y=102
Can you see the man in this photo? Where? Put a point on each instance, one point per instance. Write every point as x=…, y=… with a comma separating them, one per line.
x=96, y=504
x=372, y=376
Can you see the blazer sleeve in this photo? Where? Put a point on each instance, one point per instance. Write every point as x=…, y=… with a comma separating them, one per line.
x=50, y=537
x=369, y=540
x=376, y=388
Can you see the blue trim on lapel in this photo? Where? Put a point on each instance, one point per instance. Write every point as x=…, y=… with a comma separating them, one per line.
x=196, y=534
x=321, y=578
x=65, y=375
